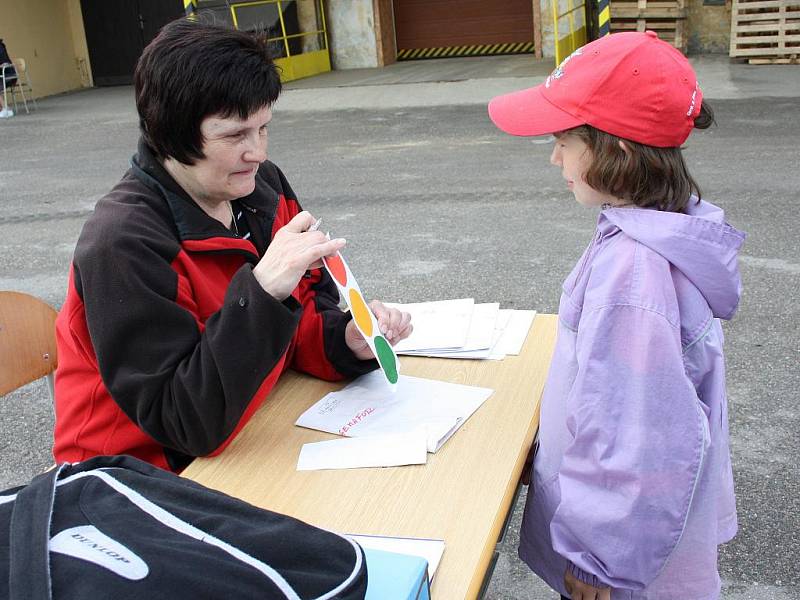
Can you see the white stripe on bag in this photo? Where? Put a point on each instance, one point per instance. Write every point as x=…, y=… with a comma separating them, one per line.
x=173, y=522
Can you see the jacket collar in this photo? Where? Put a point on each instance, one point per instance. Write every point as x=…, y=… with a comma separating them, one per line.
x=191, y=221
x=699, y=243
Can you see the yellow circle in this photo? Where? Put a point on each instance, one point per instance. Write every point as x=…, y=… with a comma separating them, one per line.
x=361, y=313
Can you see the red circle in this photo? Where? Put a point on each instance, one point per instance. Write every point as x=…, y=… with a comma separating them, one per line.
x=337, y=268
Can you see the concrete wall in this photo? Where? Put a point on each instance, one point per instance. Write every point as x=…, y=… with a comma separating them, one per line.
x=548, y=29
x=44, y=33
x=351, y=34
x=709, y=27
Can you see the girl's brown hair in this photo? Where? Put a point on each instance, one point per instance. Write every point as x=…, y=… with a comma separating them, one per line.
x=646, y=176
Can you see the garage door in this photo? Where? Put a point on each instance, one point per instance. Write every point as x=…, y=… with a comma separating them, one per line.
x=445, y=28
x=118, y=30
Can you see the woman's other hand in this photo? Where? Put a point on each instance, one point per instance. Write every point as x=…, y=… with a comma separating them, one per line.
x=394, y=324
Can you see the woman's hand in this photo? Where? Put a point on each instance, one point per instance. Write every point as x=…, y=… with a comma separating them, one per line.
x=293, y=251
x=394, y=325
x=578, y=590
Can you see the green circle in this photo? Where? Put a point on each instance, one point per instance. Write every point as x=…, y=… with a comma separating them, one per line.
x=386, y=359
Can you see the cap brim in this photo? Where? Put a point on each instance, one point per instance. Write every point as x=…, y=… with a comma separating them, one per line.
x=529, y=113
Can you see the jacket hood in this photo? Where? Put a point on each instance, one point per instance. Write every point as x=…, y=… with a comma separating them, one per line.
x=699, y=243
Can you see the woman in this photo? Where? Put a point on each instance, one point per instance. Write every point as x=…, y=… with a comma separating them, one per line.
x=9, y=79
x=197, y=281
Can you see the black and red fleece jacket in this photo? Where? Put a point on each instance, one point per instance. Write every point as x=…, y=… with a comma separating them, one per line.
x=167, y=344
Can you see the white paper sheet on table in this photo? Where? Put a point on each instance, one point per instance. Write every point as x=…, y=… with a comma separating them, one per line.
x=367, y=406
x=439, y=324
x=511, y=330
x=430, y=550
x=480, y=334
x=503, y=318
x=387, y=450
x=515, y=332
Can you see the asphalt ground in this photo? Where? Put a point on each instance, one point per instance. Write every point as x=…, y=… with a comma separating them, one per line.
x=435, y=203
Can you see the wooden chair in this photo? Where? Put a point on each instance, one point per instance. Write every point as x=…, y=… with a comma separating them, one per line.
x=27, y=341
x=17, y=81
x=23, y=83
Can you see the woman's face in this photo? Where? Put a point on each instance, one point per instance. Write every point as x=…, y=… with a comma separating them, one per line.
x=233, y=148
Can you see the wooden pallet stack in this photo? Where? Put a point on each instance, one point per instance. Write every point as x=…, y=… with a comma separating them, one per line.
x=666, y=17
x=766, y=31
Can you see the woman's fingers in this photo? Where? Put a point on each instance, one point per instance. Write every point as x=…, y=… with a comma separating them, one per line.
x=312, y=254
x=291, y=254
x=405, y=328
x=393, y=323
x=300, y=222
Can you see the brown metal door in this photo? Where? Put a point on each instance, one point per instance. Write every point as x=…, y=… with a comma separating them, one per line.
x=444, y=28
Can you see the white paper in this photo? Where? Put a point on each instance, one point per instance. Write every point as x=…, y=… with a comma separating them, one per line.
x=515, y=332
x=368, y=407
x=481, y=330
x=388, y=450
x=430, y=550
x=503, y=317
x=486, y=354
x=440, y=324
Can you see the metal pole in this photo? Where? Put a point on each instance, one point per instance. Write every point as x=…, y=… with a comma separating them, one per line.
x=190, y=8
x=603, y=18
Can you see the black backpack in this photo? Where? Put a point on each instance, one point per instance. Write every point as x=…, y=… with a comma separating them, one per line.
x=117, y=527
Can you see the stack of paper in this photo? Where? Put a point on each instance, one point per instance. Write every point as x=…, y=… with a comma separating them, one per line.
x=462, y=329
x=393, y=427
x=443, y=324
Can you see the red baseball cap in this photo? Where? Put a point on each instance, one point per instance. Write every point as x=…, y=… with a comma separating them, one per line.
x=632, y=85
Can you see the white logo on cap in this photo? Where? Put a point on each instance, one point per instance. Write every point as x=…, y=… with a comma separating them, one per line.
x=558, y=72
x=694, y=99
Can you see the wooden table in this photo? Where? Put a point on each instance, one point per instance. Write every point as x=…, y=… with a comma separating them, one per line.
x=462, y=495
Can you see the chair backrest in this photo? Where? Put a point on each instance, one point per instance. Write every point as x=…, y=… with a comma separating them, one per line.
x=27, y=340
x=21, y=67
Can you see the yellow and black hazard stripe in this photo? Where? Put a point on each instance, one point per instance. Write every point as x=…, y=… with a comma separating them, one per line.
x=603, y=18
x=471, y=50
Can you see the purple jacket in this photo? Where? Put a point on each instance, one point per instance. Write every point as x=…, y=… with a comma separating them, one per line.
x=632, y=485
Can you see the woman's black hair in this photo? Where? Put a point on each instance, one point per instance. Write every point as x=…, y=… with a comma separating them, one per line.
x=192, y=70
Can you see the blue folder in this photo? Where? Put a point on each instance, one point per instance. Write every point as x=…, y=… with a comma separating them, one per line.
x=392, y=576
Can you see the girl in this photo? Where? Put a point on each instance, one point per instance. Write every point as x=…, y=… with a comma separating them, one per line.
x=632, y=484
